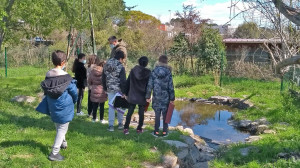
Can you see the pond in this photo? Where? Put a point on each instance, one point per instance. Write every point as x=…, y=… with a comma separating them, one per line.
x=207, y=121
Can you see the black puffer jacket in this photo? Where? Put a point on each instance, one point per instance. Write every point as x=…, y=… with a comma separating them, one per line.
x=136, y=85
x=80, y=75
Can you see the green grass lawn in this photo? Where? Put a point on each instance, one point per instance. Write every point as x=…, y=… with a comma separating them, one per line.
x=26, y=136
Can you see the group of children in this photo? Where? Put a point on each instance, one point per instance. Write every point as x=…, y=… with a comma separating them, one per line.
x=104, y=80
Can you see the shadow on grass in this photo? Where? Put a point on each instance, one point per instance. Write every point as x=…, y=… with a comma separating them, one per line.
x=30, y=143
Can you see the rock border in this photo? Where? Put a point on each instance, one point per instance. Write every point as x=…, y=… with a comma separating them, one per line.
x=193, y=152
x=222, y=100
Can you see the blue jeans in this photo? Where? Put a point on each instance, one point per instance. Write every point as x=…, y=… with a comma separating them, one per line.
x=111, y=112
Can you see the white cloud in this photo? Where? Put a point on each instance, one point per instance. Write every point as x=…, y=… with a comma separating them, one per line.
x=219, y=13
x=166, y=17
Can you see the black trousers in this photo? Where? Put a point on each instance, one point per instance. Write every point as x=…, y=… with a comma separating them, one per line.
x=129, y=114
x=95, y=107
x=90, y=103
x=158, y=113
x=79, y=100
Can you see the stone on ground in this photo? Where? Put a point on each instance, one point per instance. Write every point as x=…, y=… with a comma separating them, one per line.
x=188, y=140
x=21, y=98
x=169, y=161
x=177, y=144
x=183, y=154
x=244, y=124
x=219, y=99
x=189, y=131
x=179, y=128
x=262, y=128
x=269, y=132
x=252, y=138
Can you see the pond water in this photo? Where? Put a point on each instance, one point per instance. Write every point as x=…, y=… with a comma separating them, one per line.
x=207, y=121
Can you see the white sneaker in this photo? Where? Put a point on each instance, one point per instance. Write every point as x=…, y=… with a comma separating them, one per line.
x=95, y=120
x=80, y=114
x=103, y=121
x=111, y=128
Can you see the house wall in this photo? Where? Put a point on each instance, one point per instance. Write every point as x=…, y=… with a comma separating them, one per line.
x=250, y=52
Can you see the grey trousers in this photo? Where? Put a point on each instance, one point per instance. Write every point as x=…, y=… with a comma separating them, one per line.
x=111, y=112
x=60, y=138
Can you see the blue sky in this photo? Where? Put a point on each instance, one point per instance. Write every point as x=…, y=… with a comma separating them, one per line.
x=217, y=10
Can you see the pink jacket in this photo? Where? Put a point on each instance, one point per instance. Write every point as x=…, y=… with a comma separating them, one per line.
x=95, y=82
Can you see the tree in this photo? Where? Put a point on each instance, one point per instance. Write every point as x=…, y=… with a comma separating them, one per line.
x=191, y=24
x=179, y=52
x=210, y=51
x=138, y=19
x=141, y=34
x=293, y=14
x=29, y=18
x=247, y=30
x=106, y=12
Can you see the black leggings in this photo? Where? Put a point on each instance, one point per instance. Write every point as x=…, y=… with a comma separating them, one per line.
x=90, y=103
x=79, y=100
x=129, y=114
x=95, y=107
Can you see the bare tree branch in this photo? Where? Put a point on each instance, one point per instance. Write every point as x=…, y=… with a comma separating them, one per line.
x=291, y=13
x=287, y=62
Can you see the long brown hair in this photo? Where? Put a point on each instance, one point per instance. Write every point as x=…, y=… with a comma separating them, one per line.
x=91, y=60
x=99, y=62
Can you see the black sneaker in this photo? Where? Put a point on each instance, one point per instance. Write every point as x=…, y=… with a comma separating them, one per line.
x=56, y=157
x=155, y=134
x=165, y=134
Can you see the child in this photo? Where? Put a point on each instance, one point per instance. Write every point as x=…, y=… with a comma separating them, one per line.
x=91, y=62
x=161, y=83
x=80, y=76
x=60, y=96
x=98, y=95
x=136, y=91
x=114, y=81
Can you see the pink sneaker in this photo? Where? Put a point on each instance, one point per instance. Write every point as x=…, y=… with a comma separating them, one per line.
x=126, y=131
x=139, y=131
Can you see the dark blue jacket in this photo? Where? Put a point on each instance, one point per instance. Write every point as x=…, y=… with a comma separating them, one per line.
x=60, y=97
x=161, y=83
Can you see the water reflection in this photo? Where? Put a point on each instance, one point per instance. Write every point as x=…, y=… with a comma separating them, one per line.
x=209, y=121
